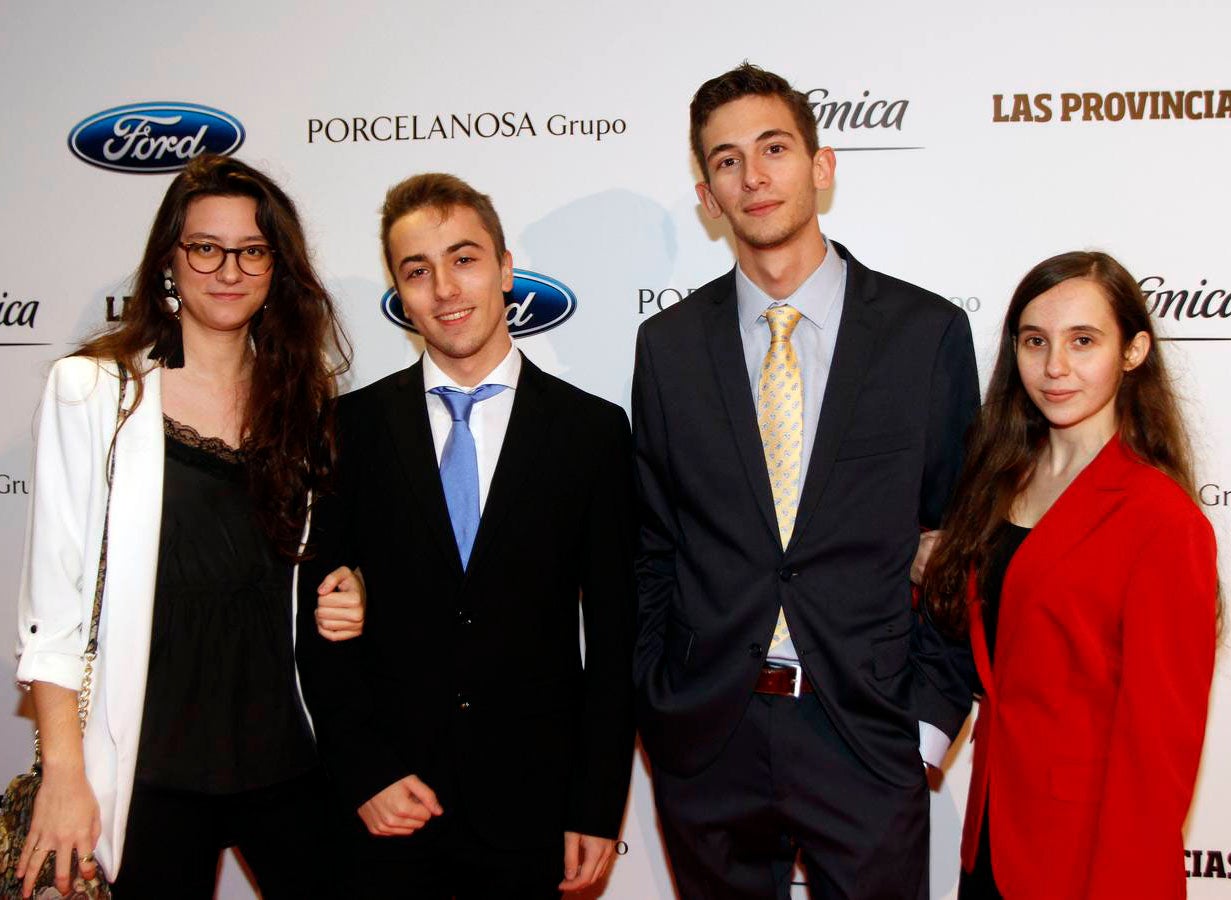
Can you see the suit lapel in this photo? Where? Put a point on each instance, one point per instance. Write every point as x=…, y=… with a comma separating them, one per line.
x=408, y=424
x=1094, y=495
x=731, y=372
x=528, y=432
x=853, y=350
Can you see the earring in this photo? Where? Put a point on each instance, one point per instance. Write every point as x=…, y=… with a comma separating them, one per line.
x=169, y=348
x=172, y=300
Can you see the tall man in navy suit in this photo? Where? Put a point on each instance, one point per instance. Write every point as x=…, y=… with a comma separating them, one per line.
x=797, y=422
x=482, y=498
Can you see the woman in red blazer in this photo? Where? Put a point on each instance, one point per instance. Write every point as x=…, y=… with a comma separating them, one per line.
x=1085, y=574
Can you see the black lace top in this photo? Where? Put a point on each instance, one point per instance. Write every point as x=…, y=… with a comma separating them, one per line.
x=221, y=708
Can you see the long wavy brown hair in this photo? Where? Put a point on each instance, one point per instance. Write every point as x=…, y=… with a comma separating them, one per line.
x=289, y=442
x=1010, y=432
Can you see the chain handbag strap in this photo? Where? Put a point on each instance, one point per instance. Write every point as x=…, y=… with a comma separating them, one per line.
x=91, y=650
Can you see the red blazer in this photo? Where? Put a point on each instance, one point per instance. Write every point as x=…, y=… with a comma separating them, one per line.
x=1092, y=721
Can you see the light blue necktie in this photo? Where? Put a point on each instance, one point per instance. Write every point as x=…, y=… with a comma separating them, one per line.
x=459, y=465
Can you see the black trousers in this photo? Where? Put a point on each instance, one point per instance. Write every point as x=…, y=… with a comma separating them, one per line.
x=449, y=859
x=979, y=884
x=286, y=833
x=446, y=860
x=788, y=784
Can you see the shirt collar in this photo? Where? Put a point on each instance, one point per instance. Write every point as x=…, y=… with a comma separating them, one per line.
x=507, y=371
x=815, y=298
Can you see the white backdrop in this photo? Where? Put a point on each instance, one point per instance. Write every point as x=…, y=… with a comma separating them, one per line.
x=941, y=183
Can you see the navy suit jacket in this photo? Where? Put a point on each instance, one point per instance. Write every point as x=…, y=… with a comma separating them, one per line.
x=712, y=573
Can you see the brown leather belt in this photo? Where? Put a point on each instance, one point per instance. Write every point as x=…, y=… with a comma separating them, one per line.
x=781, y=680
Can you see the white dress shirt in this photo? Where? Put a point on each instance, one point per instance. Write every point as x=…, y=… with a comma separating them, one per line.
x=489, y=420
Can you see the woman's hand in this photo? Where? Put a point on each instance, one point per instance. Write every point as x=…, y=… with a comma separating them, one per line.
x=341, y=602
x=65, y=816
x=65, y=819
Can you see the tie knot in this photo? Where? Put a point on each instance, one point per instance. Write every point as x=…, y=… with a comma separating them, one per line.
x=459, y=402
x=782, y=321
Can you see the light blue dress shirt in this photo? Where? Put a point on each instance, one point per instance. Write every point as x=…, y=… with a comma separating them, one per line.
x=819, y=299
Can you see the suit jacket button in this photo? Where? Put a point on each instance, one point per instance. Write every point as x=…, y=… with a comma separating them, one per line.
x=755, y=650
x=786, y=574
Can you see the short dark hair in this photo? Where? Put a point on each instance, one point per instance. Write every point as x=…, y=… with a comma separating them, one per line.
x=743, y=81
x=440, y=192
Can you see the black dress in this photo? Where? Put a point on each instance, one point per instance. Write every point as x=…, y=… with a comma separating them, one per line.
x=221, y=707
x=226, y=755
x=979, y=884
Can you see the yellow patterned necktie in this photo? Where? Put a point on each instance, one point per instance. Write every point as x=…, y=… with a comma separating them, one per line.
x=780, y=416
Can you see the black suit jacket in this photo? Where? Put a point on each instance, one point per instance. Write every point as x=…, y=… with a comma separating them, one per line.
x=474, y=679
x=712, y=573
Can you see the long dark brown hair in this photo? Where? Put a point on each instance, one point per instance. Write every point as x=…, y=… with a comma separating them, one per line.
x=1010, y=432
x=300, y=348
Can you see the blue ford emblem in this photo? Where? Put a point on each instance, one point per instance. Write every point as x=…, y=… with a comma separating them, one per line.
x=154, y=137
x=536, y=303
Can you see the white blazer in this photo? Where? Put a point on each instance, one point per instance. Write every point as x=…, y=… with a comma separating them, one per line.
x=68, y=499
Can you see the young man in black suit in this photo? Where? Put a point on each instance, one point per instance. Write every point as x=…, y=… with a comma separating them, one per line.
x=797, y=421
x=481, y=498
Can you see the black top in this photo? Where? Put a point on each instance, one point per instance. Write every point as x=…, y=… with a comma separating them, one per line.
x=1004, y=544
x=221, y=708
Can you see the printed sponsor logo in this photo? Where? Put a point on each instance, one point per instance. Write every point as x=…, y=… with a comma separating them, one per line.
x=653, y=300
x=458, y=126
x=1206, y=864
x=537, y=303
x=1112, y=106
x=13, y=487
x=154, y=137
x=849, y=116
x=1194, y=308
x=1214, y=494
x=116, y=307
x=18, y=316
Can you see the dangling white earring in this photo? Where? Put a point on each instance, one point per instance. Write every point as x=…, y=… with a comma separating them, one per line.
x=172, y=300
x=169, y=346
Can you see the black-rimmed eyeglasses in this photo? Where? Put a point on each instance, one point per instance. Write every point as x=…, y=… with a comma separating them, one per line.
x=207, y=258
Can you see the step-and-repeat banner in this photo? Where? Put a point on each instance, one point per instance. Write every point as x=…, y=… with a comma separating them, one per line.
x=972, y=141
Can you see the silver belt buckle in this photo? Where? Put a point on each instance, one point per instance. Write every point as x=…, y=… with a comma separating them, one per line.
x=795, y=667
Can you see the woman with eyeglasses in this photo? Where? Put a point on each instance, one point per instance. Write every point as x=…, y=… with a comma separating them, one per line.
x=197, y=737
x=1079, y=564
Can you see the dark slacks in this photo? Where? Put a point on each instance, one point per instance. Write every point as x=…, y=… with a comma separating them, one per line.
x=446, y=860
x=787, y=783
x=287, y=836
x=979, y=883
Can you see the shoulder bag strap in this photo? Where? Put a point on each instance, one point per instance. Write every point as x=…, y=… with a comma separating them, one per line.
x=91, y=650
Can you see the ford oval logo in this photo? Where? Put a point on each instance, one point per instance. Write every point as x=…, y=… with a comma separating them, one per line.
x=154, y=137
x=536, y=303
